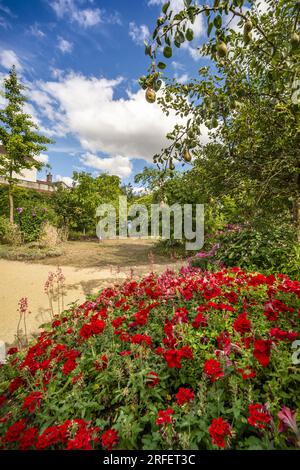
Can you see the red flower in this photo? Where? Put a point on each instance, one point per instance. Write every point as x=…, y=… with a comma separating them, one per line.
x=139, y=339
x=110, y=439
x=219, y=430
x=181, y=315
x=213, y=369
x=12, y=351
x=258, y=417
x=247, y=373
x=32, y=401
x=173, y=358
x=82, y=439
x=117, y=322
x=103, y=365
x=242, y=324
x=152, y=379
x=184, y=395
x=98, y=327
x=211, y=293
x=262, y=351
x=281, y=335
x=15, y=384
x=165, y=416
x=15, y=431
x=200, y=320
x=125, y=353
x=51, y=436
x=28, y=439
x=69, y=366
x=86, y=331
x=186, y=352
x=3, y=399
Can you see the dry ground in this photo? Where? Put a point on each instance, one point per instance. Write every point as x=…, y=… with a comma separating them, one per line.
x=87, y=266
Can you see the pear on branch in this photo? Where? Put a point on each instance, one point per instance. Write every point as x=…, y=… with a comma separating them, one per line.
x=186, y=155
x=295, y=40
x=150, y=95
x=248, y=26
x=222, y=49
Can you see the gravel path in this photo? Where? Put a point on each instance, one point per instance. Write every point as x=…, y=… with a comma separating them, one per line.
x=19, y=279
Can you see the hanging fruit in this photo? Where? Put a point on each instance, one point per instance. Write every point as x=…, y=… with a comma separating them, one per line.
x=150, y=95
x=222, y=49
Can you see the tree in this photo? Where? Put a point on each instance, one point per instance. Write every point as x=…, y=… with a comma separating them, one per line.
x=248, y=98
x=77, y=206
x=19, y=136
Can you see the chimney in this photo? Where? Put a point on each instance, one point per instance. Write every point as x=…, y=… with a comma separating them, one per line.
x=49, y=178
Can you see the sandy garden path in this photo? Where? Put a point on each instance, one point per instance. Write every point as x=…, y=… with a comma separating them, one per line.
x=20, y=279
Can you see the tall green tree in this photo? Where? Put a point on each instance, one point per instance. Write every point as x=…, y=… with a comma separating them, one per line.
x=248, y=97
x=77, y=206
x=19, y=135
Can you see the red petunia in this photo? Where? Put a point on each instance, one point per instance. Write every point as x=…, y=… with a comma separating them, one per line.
x=247, y=373
x=165, y=417
x=110, y=439
x=15, y=384
x=219, y=431
x=15, y=431
x=199, y=321
x=173, y=358
x=32, y=401
x=262, y=351
x=242, y=324
x=28, y=439
x=213, y=369
x=69, y=366
x=258, y=416
x=181, y=315
x=50, y=436
x=184, y=395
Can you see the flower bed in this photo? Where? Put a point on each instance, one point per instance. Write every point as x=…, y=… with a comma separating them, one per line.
x=181, y=361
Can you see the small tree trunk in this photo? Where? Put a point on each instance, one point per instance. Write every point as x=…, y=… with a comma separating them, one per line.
x=11, y=203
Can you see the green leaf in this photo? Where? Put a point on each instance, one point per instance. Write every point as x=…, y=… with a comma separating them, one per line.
x=218, y=22
x=165, y=7
x=209, y=29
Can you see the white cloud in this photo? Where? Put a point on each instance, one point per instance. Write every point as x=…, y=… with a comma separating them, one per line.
x=126, y=127
x=8, y=58
x=85, y=17
x=182, y=78
x=138, y=33
x=34, y=30
x=65, y=179
x=118, y=165
x=65, y=46
x=43, y=158
x=177, y=65
x=4, y=23
x=140, y=190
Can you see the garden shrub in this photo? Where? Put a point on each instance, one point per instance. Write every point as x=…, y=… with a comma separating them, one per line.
x=271, y=249
x=9, y=233
x=194, y=360
x=32, y=220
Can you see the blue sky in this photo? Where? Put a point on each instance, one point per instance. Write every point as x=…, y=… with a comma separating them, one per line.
x=80, y=60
